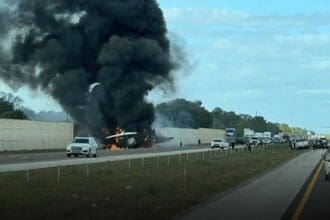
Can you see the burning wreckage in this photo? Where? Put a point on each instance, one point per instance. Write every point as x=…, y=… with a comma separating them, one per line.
x=98, y=59
x=133, y=140
x=122, y=139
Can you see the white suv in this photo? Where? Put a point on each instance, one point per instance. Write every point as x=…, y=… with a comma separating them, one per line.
x=82, y=146
x=219, y=144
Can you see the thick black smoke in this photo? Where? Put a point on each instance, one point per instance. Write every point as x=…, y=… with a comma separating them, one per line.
x=65, y=46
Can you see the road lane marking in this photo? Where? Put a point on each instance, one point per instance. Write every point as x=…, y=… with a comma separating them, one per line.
x=306, y=195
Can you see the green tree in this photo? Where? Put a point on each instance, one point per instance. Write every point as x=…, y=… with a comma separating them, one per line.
x=222, y=119
x=285, y=128
x=9, y=107
x=185, y=114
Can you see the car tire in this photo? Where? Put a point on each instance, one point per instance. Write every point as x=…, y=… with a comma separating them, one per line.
x=68, y=155
x=76, y=155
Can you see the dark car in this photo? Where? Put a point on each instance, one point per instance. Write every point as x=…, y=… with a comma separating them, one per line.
x=240, y=141
x=324, y=142
x=318, y=144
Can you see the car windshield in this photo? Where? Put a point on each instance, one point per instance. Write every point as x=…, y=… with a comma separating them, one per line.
x=81, y=141
x=217, y=140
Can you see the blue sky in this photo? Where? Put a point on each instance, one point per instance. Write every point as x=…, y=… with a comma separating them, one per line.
x=270, y=57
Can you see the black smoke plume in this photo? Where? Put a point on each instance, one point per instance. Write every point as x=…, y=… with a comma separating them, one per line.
x=65, y=46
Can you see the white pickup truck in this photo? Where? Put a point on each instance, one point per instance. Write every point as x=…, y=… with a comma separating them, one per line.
x=301, y=144
x=254, y=141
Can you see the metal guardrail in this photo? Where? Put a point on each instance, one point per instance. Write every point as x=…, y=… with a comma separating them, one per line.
x=57, y=163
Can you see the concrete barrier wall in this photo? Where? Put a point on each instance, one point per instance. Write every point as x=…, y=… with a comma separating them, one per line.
x=34, y=135
x=189, y=136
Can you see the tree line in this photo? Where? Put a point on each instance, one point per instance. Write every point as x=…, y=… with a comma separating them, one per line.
x=178, y=113
x=10, y=107
x=182, y=113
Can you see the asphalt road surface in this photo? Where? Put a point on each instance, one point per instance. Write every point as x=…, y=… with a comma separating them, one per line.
x=13, y=158
x=312, y=202
x=17, y=162
x=266, y=197
x=318, y=203
x=53, y=156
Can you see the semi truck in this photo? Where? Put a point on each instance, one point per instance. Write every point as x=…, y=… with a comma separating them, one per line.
x=230, y=135
x=247, y=132
x=259, y=135
x=267, y=134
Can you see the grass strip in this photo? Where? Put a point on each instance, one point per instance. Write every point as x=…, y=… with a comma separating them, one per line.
x=153, y=188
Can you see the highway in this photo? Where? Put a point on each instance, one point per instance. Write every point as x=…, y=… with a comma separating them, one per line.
x=13, y=158
x=317, y=206
x=313, y=200
x=266, y=197
x=277, y=194
x=17, y=162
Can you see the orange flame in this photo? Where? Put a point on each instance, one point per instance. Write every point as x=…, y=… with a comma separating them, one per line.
x=115, y=146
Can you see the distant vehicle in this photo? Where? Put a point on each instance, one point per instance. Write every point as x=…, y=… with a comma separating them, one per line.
x=259, y=135
x=301, y=144
x=324, y=142
x=276, y=140
x=267, y=140
x=318, y=143
x=267, y=135
x=218, y=143
x=254, y=141
x=261, y=141
x=230, y=135
x=285, y=137
x=247, y=133
x=82, y=146
x=240, y=140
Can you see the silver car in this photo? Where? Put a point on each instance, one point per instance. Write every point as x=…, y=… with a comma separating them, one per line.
x=82, y=146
